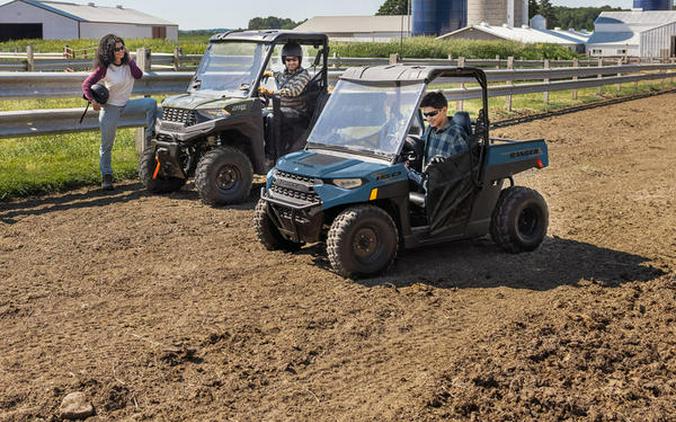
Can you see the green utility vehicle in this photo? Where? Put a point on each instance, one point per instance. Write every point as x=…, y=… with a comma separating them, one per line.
x=222, y=132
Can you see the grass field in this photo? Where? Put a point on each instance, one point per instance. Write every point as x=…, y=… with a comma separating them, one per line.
x=419, y=47
x=45, y=164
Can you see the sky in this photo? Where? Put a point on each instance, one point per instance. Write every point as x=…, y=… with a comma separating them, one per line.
x=205, y=14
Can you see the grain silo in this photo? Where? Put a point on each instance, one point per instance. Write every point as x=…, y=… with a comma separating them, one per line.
x=435, y=17
x=497, y=12
x=653, y=4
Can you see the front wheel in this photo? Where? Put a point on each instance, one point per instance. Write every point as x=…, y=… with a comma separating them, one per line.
x=224, y=176
x=362, y=241
x=267, y=231
x=148, y=172
x=520, y=220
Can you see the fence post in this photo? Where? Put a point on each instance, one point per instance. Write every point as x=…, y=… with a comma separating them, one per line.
x=600, y=76
x=460, y=104
x=576, y=64
x=546, y=94
x=143, y=61
x=394, y=58
x=30, y=59
x=177, y=58
x=450, y=59
x=510, y=66
x=497, y=59
x=619, y=85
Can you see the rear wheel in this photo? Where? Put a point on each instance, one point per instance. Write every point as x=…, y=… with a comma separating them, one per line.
x=267, y=231
x=224, y=176
x=154, y=182
x=362, y=241
x=520, y=220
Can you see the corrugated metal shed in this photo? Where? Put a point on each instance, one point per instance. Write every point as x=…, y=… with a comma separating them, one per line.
x=659, y=42
x=86, y=13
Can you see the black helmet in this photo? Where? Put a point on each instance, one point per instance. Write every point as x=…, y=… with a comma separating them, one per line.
x=100, y=93
x=292, y=49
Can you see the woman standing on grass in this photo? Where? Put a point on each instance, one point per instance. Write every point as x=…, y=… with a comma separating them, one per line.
x=117, y=71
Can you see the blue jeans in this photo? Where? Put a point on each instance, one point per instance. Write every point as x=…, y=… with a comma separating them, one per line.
x=109, y=117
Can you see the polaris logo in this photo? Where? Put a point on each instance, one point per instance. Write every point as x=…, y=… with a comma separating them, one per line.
x=238, y=107
x=525, y=153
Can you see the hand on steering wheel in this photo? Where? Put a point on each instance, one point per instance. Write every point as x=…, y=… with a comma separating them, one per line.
x=265, y=91
x=437, y=159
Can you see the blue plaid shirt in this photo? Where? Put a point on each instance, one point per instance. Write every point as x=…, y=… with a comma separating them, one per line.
x=447, y=141
x=452, y=139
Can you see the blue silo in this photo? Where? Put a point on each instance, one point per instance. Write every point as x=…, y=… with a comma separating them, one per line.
x=653, y=4
x=437, y=17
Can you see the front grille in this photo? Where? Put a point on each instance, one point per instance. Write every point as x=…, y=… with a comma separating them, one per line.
x=290, y=193
x=291, y=176
x=179, y=115
x=295, y=188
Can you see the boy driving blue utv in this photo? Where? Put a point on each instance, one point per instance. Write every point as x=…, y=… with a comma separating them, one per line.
x=373, y=179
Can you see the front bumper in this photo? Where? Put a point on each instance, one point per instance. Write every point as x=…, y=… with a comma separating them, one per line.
x=178, y=132
x=297, y=220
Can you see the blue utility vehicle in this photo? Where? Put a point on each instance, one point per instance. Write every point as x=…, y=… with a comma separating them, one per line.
x=350, y=187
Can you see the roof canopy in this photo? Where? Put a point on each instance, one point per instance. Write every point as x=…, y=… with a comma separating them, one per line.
x=269, y=36
x=403, y=73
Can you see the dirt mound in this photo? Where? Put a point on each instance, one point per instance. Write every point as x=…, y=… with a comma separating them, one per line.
x=605, y=360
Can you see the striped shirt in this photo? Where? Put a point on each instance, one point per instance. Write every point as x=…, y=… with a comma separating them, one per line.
x=290, y=86
x=447, y=141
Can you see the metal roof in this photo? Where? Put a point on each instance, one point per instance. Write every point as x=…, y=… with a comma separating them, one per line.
x=651, y=18
x=607, y=37
x=625, y=28
x=408, y=73
x=525, y=34
x=353, y=24
x=268, y=36
x=86, y=13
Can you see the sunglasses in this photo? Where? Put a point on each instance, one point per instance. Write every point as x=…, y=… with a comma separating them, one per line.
x=118, y=49
x=431, y=113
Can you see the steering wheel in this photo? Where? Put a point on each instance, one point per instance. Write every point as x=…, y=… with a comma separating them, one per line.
x=413, y=151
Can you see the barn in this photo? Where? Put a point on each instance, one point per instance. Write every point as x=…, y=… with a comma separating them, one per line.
x=634, y=33
x=52, y=20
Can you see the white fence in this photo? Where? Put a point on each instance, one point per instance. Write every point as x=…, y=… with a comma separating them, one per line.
x=51, y=62
x=512, y=82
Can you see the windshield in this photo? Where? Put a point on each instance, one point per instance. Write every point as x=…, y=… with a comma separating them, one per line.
x=367, y=118
x=230, y=68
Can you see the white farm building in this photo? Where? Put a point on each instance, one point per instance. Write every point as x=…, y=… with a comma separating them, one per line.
x=635, y=33
x=358, y=28
x=571, y=39
x=51, y=20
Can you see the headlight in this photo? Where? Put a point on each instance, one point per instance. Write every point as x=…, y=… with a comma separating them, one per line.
x=347, y=183
x=214, y=113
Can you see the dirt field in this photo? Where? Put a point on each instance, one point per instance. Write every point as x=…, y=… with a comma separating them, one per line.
x=161, y=308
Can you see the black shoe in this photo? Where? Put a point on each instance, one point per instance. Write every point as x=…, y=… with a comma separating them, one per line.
x=107, y=182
